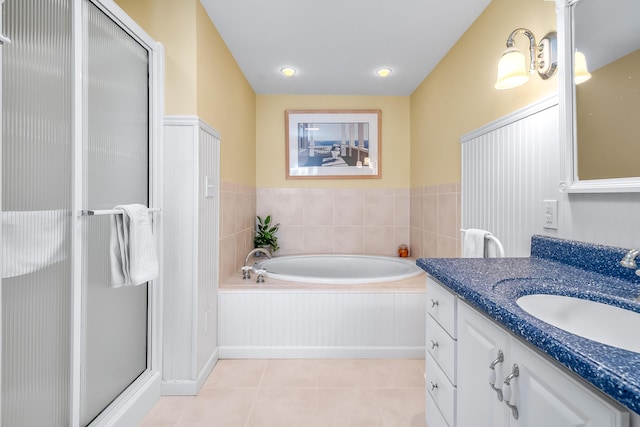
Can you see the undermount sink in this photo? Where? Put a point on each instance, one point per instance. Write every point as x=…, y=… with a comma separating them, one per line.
x=596, y=321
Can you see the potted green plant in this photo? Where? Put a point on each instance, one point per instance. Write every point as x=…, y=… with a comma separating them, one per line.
x=266, y=234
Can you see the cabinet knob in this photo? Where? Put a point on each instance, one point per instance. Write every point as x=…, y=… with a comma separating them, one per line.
x=434, y=344
x=506, y=390
x=434, y=303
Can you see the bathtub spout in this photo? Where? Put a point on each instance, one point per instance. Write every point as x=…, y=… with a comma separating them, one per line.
x=246, y=269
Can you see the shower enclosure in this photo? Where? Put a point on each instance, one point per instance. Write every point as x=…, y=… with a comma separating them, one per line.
x=80, y=132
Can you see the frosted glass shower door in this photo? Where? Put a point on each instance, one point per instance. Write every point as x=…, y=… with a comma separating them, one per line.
x=116, y=172
x=37, y=107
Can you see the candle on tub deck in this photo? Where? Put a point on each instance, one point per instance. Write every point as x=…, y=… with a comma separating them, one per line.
x=403, y=251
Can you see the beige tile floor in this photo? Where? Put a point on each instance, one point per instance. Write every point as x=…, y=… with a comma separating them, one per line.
x=301, y=392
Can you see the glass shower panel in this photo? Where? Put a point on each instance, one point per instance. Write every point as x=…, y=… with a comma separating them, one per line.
x=36, y=213
x=116, y=150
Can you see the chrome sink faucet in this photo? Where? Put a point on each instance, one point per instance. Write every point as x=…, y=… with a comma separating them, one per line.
x=246, y=269
x=629, y=260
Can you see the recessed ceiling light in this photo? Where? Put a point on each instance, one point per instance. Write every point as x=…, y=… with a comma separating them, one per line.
x=383, y=72
x=288, y=71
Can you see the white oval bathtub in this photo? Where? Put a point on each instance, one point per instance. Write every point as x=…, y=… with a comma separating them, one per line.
x=339, y=269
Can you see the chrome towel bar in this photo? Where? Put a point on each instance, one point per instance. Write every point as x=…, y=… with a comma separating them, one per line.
x=111, y=212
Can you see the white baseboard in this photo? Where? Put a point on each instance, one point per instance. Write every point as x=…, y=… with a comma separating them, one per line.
x=273, y=352
x=190, y=387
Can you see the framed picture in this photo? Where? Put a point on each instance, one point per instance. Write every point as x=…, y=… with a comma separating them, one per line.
x=333, y=144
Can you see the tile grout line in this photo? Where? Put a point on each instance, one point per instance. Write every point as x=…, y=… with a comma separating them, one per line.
x=257, y=394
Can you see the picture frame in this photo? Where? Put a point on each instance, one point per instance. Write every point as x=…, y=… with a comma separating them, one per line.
x=333, y=144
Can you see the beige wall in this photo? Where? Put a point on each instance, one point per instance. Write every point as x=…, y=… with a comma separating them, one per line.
x=226, y=101
x=270, y=139
x=458, y=96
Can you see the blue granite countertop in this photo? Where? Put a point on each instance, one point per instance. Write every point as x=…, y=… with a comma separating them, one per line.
x=560, y=267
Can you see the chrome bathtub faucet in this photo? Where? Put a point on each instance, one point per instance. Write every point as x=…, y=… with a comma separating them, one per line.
x=246, y=269
x=629, y=260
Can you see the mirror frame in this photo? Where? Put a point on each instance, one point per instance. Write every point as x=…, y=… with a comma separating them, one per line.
x=567, y=102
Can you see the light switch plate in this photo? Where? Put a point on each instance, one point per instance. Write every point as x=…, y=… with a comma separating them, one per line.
x=210, y=187
x=550, y=214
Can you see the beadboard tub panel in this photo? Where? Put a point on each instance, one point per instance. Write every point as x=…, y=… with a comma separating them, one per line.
x=317, y=324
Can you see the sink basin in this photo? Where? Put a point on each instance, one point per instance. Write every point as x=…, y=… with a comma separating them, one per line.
x=596, y=321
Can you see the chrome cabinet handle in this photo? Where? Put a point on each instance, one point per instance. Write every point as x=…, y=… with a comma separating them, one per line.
x=506, y=390
x=434, y=344
x=434, y=303
x=492, y=374
x=433, y=385
x=4, y=39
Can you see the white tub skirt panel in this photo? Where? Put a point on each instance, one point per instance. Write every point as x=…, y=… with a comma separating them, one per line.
x=319, y=324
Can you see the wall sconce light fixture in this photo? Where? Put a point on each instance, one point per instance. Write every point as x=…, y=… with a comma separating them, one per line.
x=512, y=70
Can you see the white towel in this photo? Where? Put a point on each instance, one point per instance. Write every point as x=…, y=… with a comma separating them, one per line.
x=32, y=240
x=133, y=247
x=473, y=243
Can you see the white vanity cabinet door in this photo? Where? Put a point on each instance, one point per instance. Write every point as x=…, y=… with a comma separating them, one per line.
x=546, y=396
x=479, y=343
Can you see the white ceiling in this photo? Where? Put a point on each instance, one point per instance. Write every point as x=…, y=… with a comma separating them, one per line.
x=337, y=45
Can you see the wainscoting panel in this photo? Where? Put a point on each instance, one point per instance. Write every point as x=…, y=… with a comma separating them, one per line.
x=508, y=168
x=285, y=324
x=191, y=206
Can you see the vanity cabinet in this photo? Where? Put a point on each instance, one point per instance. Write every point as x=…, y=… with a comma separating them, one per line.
x=541, y=393
x=475, y=352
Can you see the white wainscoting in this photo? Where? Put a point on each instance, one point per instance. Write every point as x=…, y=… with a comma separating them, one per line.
x=321, y=324
x=191, y=212
x=508, y=168
x=511, y=165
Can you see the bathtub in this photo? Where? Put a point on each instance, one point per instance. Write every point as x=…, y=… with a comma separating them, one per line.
x=343, y=269
x=294, y=315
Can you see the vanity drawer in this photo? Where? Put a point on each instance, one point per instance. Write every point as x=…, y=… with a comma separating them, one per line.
x=441, y=305
x=440, y=390
x=442, y=347
x=433, y=417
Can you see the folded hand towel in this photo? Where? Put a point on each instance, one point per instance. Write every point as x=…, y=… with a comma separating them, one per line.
x=473, y=243
x=32, y=240
x=133, y=247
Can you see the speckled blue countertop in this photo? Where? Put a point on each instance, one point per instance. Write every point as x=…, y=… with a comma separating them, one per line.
x=560, y=267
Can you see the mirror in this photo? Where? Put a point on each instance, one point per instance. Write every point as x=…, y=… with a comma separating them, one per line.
x=603, y=113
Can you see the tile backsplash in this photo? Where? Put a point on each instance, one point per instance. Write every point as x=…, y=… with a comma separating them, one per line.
x=237, y=224
x=435, y=221
x=330, y=220
x=372, y=221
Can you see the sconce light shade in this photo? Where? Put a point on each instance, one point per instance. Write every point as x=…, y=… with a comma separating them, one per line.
x=512, y=69
x=581, y=72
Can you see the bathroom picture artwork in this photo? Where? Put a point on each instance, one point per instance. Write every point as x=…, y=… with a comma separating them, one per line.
x=328, y=144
